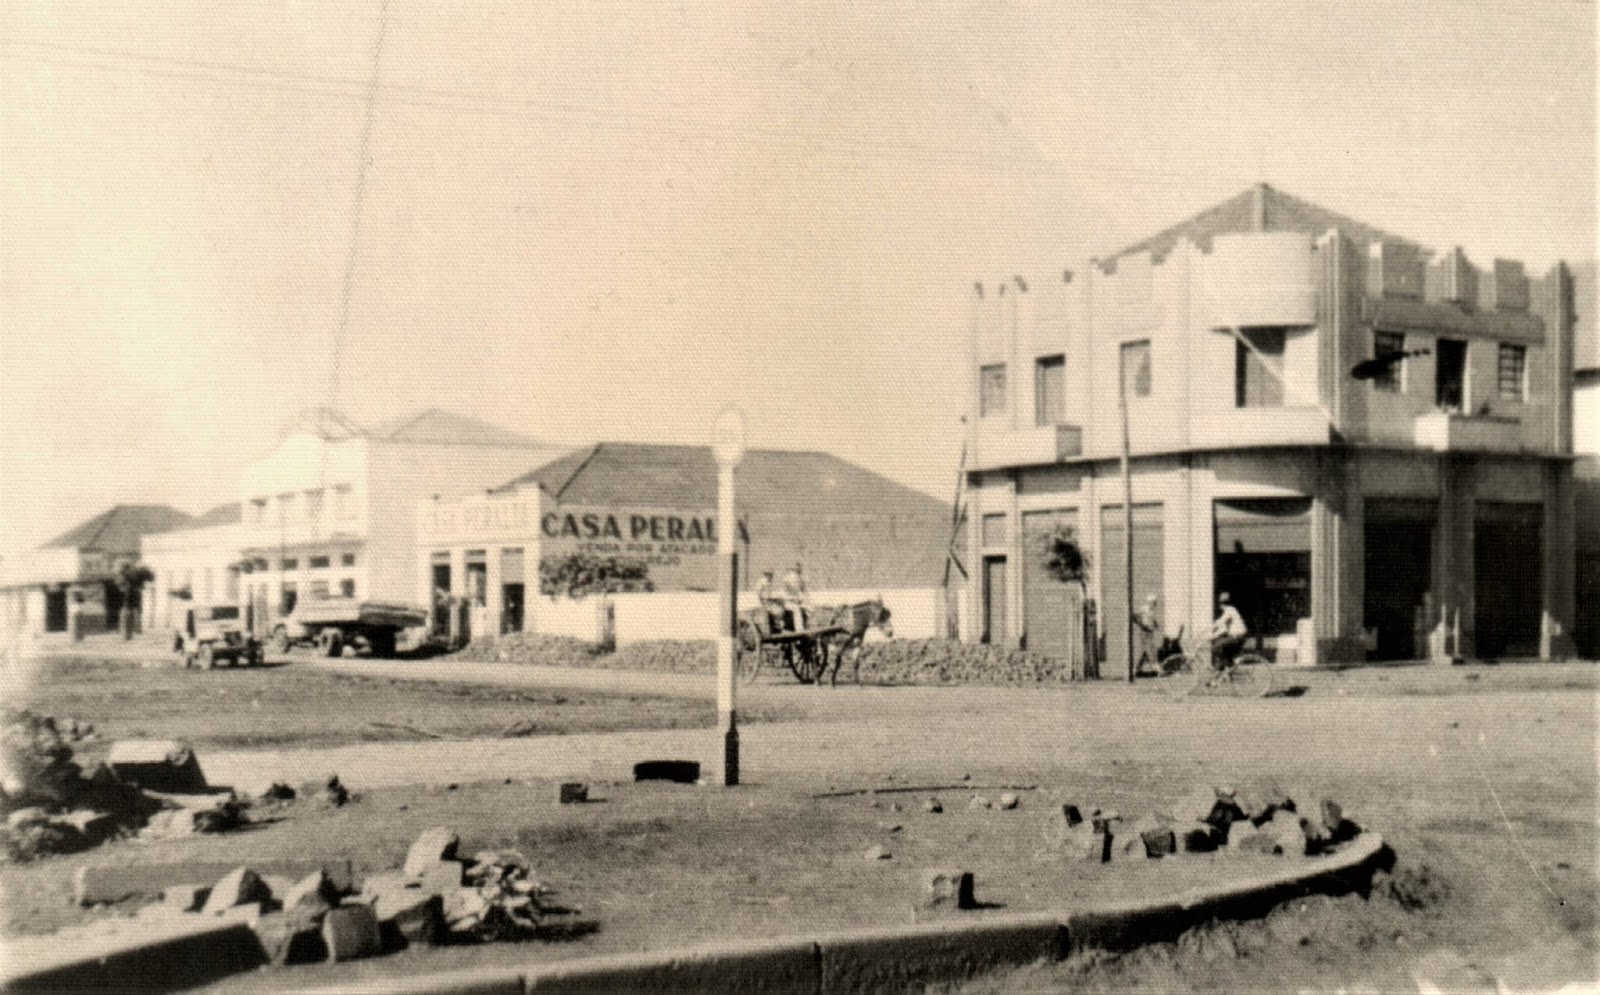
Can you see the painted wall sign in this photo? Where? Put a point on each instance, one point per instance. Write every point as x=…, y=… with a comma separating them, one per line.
x=479, y=519
x=680, y=547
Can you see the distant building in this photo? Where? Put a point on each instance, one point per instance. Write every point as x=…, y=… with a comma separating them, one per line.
x=851, y=528
x=1424, y=511
x=330, y=512
x=76, y=573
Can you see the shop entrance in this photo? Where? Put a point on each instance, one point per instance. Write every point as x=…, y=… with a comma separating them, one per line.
x=1398, y=574
x=1509, y=579
x=1148, y=556
x=441, y=597
x=1052, y=611
x=55, y=610
x=994, y=600
x=1263, y=561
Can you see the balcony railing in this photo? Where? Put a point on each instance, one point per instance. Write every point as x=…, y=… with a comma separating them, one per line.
x=1446, y=431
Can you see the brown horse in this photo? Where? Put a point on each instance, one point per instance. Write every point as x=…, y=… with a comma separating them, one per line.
x=853, y=621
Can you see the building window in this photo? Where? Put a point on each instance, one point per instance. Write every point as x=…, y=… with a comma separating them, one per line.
x=994, y=530
x=1258, y=368
x=347, y=560
x=319, y=590
x=991, y=390
x=1388, y=344
x=347, y=588
x=258, y=511
x=1136, y=368
x=1050, y=390
x=1513, y=372
x=314, y=504
x=288, y=595
x=1450, y=376
x=319, y=563
x=290, y=563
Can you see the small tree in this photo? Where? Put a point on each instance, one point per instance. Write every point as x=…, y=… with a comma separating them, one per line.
x=1069, y=563
x=578, y=575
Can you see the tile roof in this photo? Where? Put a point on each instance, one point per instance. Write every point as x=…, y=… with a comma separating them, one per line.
x=667, y=476
x=222, y=514
x=1260, y=208
x=118, y=530
x=436, y=427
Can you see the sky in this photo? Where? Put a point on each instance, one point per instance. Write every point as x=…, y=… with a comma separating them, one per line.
x=608, y=220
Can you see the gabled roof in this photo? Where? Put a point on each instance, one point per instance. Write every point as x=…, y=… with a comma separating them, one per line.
x=222, y=514
x=436, y=427
x=664, y=476
x=324, y=423
x=118, y=530
x=1260, y=208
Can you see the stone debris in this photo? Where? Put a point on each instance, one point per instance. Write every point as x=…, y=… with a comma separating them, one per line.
x=933, y=806
x=1009, y=801
x=238, y=887
x=572, y=792
x=351, y=932
x=156, y=764
x=979, y=802
x=678, y=771
x=879, y=853
x=433, y=846
x=1209, y=819
x=948, y=888
x=321, y=917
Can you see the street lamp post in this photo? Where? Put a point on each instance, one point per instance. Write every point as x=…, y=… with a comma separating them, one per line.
x=727, y=445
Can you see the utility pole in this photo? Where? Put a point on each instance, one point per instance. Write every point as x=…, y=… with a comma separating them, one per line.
x=1127, y=505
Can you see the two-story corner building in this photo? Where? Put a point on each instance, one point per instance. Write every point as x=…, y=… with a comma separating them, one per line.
x=331, y=512
x=1422, y=508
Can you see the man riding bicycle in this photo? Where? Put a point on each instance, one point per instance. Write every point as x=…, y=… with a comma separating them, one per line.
x=1228, y=633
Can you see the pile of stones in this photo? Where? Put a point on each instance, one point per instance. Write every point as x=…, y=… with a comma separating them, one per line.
x=436, y=898
x=1209, y=819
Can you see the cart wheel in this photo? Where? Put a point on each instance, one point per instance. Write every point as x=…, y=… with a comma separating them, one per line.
x=280, y=640
x=208, y=656
x=747, y=647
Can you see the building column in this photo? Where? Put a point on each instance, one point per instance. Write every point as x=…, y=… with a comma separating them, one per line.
x=1558, y=536
x=1455, y=562
x=1337, y=562
x=493, y=594
x=458, y=589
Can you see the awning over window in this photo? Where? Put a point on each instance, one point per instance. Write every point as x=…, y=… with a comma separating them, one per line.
x=1264, y=525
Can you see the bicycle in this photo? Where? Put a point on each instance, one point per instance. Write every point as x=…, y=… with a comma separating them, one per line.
x=1190, y=671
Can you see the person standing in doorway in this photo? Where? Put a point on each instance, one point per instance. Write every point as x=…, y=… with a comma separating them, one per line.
x=796, y=602
x=1147, y=624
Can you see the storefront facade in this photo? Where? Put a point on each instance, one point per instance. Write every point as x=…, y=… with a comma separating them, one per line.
x=1425, y=511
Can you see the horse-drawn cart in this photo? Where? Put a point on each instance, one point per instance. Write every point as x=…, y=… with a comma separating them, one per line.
x=808, y=653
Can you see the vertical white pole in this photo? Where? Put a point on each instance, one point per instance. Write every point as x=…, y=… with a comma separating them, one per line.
x=727, y=616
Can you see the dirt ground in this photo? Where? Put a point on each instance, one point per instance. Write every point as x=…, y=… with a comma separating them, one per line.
x=1481, y=778
x=297, y=706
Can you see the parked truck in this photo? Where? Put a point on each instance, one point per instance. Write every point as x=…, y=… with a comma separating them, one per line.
x=331, y=624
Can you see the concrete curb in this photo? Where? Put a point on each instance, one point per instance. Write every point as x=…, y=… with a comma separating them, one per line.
x=162, y=957
x=152, y=956
x=901, y=957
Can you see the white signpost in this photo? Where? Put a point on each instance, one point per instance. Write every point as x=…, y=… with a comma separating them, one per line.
x=727, y=445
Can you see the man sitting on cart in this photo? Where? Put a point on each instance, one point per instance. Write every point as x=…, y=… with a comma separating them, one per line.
x=796, y=602
x=771, y=601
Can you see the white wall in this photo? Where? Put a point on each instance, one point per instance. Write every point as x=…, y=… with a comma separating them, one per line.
x=687, y=615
